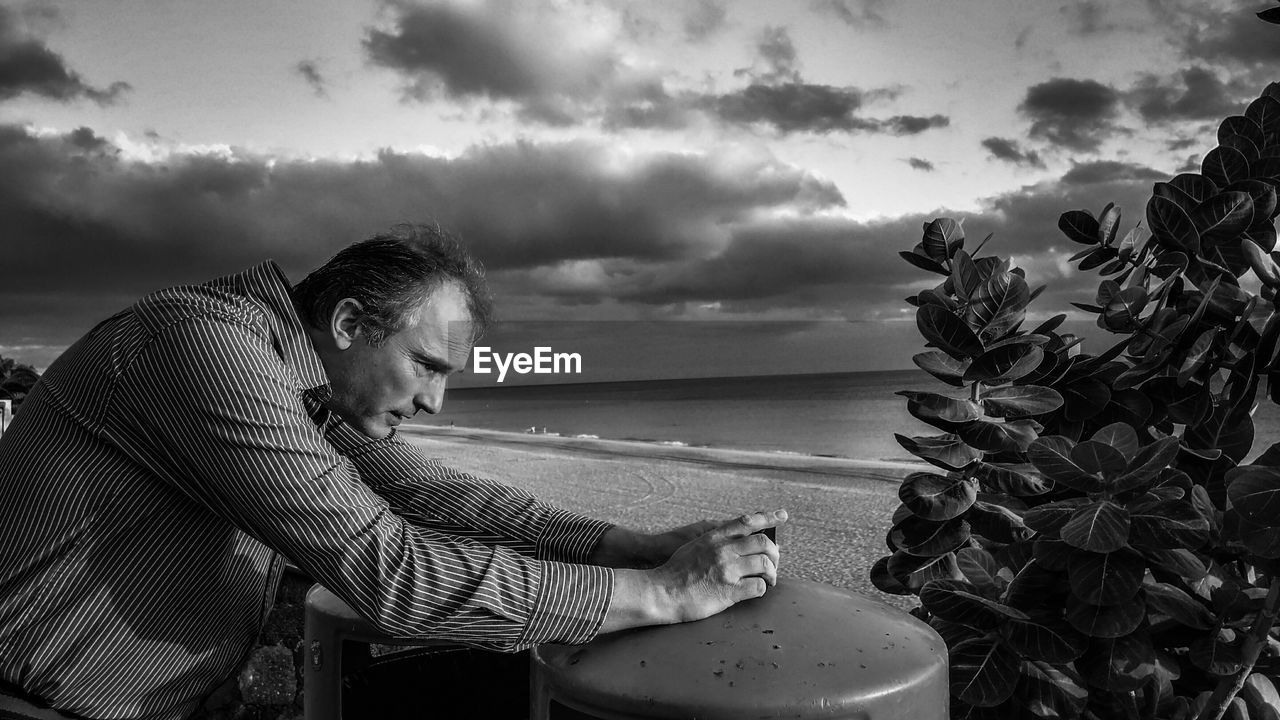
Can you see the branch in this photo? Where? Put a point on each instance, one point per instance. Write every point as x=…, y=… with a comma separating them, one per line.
x=1253, y=644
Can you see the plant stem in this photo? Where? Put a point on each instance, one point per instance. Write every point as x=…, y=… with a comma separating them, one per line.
x=1228, y=687
x=975, y=391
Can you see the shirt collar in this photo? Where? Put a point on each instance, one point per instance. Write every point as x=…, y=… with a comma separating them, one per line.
x=267, y=285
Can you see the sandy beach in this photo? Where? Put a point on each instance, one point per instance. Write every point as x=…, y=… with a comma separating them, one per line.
x=839, y=508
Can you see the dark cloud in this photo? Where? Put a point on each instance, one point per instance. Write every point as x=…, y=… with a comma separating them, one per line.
x=309, y=71
x=28, y=66
x=803, y=107
x=1010, y=151
x=1088, y=17
x=777, y=53
x=1233, y=33
x=1195, y=93
x=855, y=13
x=703, y=19
x=920, y=164
x=1076, y=114
x=1106, y=171
x=93, y=229
x=570, y=224
x=493, y=51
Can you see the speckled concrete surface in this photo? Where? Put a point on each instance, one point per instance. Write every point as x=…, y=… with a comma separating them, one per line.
x=839, y=509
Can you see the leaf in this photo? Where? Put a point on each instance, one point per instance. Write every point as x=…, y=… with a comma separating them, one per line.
x=1098, y=458
x=1051, y=455
x=1009, y=480
x=939, y=235
x=1177, y=195
x=1232, y=433
x=934, y=408
x=937, y=497
x=1099, y=527
x=1261, y=541
x=1051, y=552
x=942, y=366
x=1223, y=216
x=1183, y=563
x=964, y=274
x=979, y=568
x=1266, y=112
x=927, y=538
x=1051, y=640
x=1049, y=518
x=1014, y=401
x=1004, y=364
x=998, y=305
x=1197, y=186
x=996, y=523
x=1146, y=464
x=1106, y=578
x=1217, y=653
x=1225, y=165
x=1083, y=398
x=913, y=571
x=884, y=581
x=1259, y=692
x=1104, y=621
x=1197, y=354
x=1036, y=586
x=947, y=332
x=1171, y=601
x=1254, y=493
x=1242, y=126
x=1051, y=692
x=1011, y=436
x=1080, y=226
x=947, y=451
x=1119, y=664
x=1108, y=223
x=959, y=601
x=1168, y=525
x=984, y=671
x=1172, y=225
x=1120, y=436
x=923, y=262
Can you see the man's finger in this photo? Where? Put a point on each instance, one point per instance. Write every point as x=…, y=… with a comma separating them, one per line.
x=751, y=523
x=749, y=587
x=761, y=566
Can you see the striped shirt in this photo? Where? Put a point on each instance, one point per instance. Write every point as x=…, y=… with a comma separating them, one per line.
x=164, y=467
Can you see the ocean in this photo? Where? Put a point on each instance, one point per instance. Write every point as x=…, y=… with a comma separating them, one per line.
x=849, y=415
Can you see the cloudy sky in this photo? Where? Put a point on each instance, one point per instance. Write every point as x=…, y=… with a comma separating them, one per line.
x=708, y=160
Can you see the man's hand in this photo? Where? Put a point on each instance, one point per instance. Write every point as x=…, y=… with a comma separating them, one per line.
x=718, y=568
x=623, y=548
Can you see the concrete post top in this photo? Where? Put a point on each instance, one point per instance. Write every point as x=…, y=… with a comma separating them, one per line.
x=803, y=650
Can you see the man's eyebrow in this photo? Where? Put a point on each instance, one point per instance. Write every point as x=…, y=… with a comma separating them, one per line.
x=433, y=362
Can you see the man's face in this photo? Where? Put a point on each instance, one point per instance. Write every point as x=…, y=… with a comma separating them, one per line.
x=375, y=388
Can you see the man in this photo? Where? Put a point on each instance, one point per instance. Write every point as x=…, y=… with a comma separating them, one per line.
x=168, y=462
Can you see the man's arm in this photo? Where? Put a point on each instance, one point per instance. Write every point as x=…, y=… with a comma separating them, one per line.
x=219, y=407
x=430, y=495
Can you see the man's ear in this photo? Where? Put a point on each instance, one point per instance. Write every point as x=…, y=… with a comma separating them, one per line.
x=344, y=324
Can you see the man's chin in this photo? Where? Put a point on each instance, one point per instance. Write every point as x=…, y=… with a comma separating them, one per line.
x=374, y=428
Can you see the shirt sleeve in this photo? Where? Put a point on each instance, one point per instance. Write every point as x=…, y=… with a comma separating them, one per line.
x=223, y=413
x=430, y=495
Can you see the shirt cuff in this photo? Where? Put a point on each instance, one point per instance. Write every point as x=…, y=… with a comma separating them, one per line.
x=569, y=537
x=572, y=602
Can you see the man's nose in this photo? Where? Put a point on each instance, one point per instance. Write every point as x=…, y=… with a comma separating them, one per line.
x=431, y=398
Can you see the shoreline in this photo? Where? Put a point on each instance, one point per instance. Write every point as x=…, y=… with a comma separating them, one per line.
x=822, y=465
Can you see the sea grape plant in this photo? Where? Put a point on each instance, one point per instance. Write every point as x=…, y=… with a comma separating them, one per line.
x=1090, y=543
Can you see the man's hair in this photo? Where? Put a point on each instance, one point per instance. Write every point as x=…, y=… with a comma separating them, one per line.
x=390, y=275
